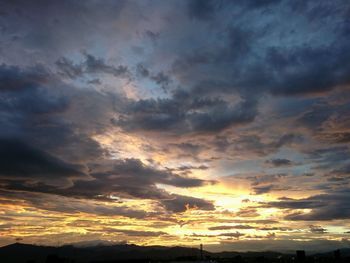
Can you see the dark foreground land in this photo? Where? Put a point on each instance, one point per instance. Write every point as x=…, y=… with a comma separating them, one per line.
x=23, y=253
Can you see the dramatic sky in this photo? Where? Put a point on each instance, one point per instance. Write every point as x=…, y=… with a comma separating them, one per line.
x=176, y=122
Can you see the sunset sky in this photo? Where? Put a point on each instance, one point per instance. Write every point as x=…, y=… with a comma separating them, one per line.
x=176, y=122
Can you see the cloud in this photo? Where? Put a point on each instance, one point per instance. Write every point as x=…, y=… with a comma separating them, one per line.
x=91, y=65
x=279, y=162
x=161, y=79
x=45, y=114
x=263, y=189
x=96, y=65
x=231, y=227
x=136, y=233
x=247, y=212
x=68, y=69
x=62, y=29
x=343, y=170
x=33, y=169
x=73, y=206
x=303, y=80
x=256, y=143
x=328, y=206
x=232, y=234
x=265, y=183
x=182, y=114
x=332, y=159
x=201, y=10
x=21, y=161
x=133, y=171
x=317, y=229
x=341, y=137
x=12, y=78
x=128, y=178
x=178, y=203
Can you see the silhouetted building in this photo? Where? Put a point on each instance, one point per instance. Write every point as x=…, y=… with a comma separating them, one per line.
x=301, y=255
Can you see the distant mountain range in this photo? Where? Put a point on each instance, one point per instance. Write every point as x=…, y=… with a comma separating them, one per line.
x=23, y=253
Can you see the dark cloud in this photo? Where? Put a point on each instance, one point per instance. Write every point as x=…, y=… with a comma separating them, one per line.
x=97, y=65
x=188, y=148
x=223, y=117
x=161, y=79
x=42, y=113
x=333, y=159
x=287, y=203
x=273, y=228
x=142, y=70
x=232, y=234
x=253, y=221
x=251, y=59
x=263, y=189
x=152, y=35
x=265, y=183
x=315, y=117
x=329, y=206
x=128, y=178
x=343, y=170
x=279, y=162
x=13, y=78
x=312, y=75
x=91, y=65
x=247, y=212
x=68, y=69
x=178, y=203
x=133, y=169
x=261, y=3
x=242, y=63
x=66, y=205
x=95, y=82
x=206, y=9
x=201, y=9
x=341, y=137
x=235, y=235
x=186, y=168
x=19, y=160
x=221, y=228
x=256, y=144
x=40, y=169
x=317, y=229
x=54, y=27
x=182, y=114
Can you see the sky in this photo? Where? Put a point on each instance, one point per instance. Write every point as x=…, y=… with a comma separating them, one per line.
x=176, y=122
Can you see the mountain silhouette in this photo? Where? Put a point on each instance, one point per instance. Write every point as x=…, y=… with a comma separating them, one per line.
x=19, y=252
x=23, y=253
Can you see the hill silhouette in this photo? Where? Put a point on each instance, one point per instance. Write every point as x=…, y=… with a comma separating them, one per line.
x=23, y=253
x=17, y=252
